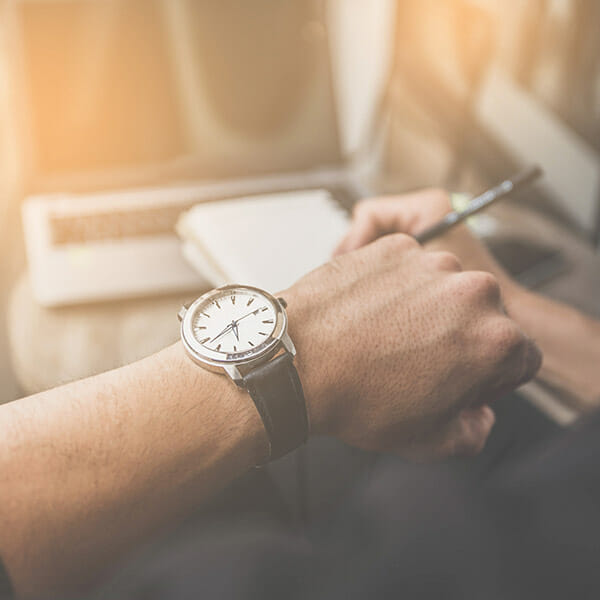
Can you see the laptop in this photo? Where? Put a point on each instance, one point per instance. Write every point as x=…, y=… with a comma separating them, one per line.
x=129, y=134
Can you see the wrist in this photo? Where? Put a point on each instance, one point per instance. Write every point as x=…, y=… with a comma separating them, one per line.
x=240, y=437
x=312, y=371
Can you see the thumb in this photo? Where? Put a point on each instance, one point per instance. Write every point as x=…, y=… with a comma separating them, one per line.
x=371, y=219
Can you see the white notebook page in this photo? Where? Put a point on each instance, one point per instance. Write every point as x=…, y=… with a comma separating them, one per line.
x=268, y=241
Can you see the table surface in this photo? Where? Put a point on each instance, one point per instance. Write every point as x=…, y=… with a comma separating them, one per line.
x=49, y=346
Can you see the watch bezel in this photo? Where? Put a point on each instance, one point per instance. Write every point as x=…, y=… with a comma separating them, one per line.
x=215, y=360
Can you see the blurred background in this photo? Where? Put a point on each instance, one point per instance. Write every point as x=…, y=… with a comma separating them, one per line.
x=381, y=96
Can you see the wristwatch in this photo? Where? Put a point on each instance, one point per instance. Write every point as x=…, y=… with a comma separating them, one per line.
x=241, y=331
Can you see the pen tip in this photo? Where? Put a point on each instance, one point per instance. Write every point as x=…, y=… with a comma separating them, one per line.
x=527, y=175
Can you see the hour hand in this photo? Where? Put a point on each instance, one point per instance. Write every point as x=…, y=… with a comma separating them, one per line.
x=234, y=327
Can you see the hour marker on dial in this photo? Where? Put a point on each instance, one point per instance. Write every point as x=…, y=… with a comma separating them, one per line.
x=229, y=318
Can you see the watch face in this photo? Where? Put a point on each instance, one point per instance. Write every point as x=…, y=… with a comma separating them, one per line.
x=232, y=324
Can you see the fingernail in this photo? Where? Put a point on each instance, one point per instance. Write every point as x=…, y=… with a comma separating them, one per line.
x=532, y=362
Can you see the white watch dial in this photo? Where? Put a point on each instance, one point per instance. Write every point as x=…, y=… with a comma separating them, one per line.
x=234, y=322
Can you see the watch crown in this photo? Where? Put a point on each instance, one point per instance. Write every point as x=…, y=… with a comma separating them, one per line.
x=182, y=312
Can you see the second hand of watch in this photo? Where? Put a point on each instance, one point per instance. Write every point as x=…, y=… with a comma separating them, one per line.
x=230, y=326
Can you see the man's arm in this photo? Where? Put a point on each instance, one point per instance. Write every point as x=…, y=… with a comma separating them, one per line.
x=90, y=467
x=569, y=340
x=398, y=350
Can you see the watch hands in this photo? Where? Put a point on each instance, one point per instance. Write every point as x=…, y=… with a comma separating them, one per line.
x=233, y=327
x=228, y=328
x=234, y=324
x=250, y=313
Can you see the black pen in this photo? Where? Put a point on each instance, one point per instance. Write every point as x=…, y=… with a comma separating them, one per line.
x=479, y=203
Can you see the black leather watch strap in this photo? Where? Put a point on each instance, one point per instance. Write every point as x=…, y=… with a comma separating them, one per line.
x=6, y=590
x=277, y=392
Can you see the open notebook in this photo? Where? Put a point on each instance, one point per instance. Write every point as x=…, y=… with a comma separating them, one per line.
x=268, y=241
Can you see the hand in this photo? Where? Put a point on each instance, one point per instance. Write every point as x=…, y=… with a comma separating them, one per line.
x=412, y=214
x=399, y=350
x=569, y=340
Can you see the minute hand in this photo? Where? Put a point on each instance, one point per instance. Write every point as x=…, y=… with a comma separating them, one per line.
x=250, y=313
x=232, y=325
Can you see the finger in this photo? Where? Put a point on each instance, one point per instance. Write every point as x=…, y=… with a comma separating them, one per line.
x=409, y=213
x=372, y=219
x=465, y=435
x=363, y=230
x=474, y=426
x=518, y=358
x=444, y=261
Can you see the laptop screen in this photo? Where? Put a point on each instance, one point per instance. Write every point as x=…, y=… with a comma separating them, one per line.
x=233, y=87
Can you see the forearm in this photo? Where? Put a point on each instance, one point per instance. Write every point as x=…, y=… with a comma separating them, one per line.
x=569, y=340
x=91, y=468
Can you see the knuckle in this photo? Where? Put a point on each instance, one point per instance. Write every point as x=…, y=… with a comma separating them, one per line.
x=480, y=285
x=446, y=261
x=514, y=356
x=396, y=242
x=364, y=207
x=506, y=339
